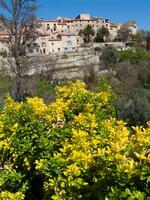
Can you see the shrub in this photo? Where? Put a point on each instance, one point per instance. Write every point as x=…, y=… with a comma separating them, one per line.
x=97, y=49
x=73, y=148
x=3, y=53
x=65, y=56
x=109, y=57
x=134, y=57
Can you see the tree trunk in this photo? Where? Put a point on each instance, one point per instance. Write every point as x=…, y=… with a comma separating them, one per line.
x=19, y=89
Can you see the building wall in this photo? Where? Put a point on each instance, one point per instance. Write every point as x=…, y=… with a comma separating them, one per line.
x=55, y=46
x=69, y=42
x=47, y=25
x=114, y=27
x=48, y=44
x=62, y=27
x=84, y=16
x=47, y=41
x=3, y=46
x=4, y=43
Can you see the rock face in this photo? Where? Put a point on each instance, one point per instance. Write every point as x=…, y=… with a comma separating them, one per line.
x=61, y=66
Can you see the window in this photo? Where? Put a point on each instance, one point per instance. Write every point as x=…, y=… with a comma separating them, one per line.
x=44, y=51
x=43, y=44
x=52, y=43
x=55, y=27
x=48, y=27
x=58, y=49
x=66, y=49
x=35, y=44
x=69, y=43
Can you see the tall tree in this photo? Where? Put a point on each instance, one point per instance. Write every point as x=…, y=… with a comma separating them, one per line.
x=139, y=38
x=88, y=32
x=102, y=34
x=124, y=33
x=18, y=19
x=147, y=39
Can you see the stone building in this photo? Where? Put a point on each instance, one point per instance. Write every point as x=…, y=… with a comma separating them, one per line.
x=4, y=41
x=62, y=34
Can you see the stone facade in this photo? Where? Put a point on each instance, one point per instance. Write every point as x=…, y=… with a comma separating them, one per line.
x=4, y=43
x=62, y=34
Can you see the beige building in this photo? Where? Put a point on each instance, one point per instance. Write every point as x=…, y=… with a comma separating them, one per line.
x=132, y=25
x=73, y=26
x=62, y=34
x=54, y=43
x=114, y=27
x=4, y=42
x=69, y=42
x=83, y=20
x=47, y=26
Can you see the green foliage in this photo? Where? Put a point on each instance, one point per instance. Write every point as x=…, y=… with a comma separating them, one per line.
x=3, y=53
x=134, y=107
x=109, y=57
x=65, y=56
x=102, y=34
x=139, y=38
x=44, y=90
x=11, y=180
x=3, y=86
x=72, y=148
x=131, y=85
x=147, y=39
x=97, y=49
x=134, y=56
x=87, y=33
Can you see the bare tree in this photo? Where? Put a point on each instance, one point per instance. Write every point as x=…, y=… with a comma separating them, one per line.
x=90, y=74
x=124, y=33
x=50, y=65
x=19, y=20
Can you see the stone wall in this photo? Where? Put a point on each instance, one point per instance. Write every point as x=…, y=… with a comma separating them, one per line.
x=62, y=66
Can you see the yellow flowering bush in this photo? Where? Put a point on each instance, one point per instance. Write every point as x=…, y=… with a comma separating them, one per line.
x=73, y=148
x=11, y=196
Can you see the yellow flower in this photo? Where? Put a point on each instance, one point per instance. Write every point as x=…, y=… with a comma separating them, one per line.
x=37, y=104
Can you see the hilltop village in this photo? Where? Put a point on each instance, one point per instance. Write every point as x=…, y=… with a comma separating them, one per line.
x=65, y=34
